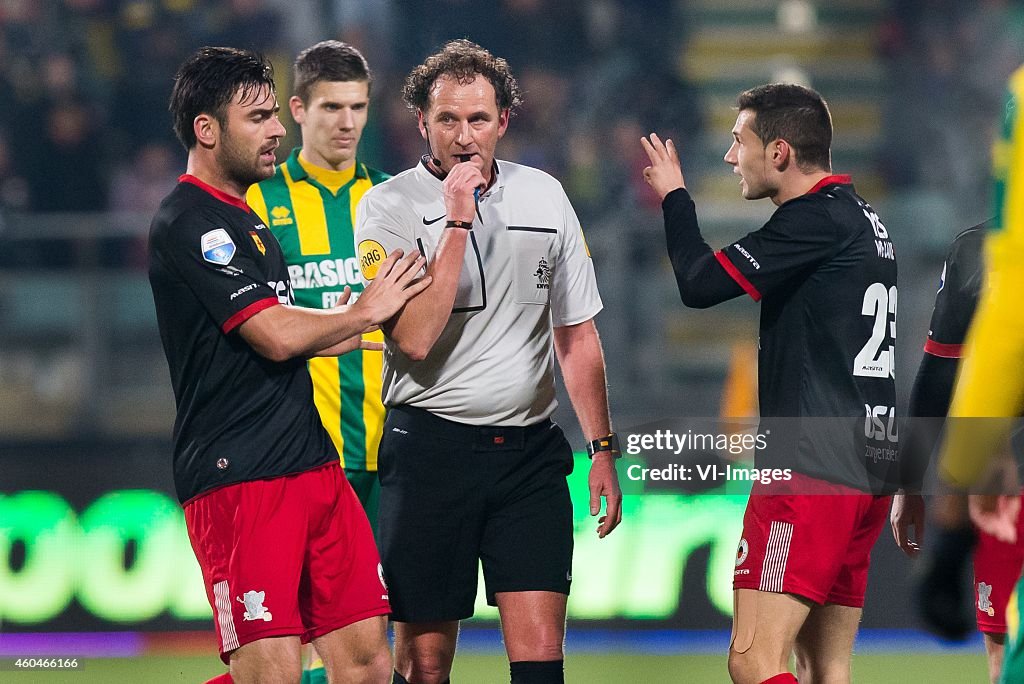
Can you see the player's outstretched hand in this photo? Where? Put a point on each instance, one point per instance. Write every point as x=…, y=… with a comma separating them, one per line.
x=908, y=511
x=995, y=514
x=459, y=184
x=664, y=174
x=604, y=482
x=396, y=283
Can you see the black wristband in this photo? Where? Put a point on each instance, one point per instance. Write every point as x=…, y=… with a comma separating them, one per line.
x=608, y=443
x=468, y=225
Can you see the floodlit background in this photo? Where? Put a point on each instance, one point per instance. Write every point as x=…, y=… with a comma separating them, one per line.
x=93, y=557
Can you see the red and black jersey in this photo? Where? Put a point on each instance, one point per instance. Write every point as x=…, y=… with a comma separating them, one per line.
x=959, y=289
x=955, y=302
x=824, y=269
x=213, y=264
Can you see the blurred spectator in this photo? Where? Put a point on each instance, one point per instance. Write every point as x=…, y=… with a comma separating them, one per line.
x=14, y=192
x=250, y=24
x=66, y=169
x=948, y=63
x=141, y=184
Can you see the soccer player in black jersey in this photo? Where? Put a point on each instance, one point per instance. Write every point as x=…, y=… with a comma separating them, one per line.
x=286, y=552
x=824, y=270
x=997, y=563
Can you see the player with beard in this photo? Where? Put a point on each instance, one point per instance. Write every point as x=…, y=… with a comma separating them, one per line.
x=285, y=549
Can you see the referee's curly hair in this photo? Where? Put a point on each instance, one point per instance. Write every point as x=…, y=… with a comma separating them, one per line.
x=462, y=60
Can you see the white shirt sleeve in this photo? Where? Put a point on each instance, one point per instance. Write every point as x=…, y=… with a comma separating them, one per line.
x=380, y=229
x=574, y=295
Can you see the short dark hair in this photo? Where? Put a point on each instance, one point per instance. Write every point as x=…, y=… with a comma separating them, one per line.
x=207, y=82
x=329, y=60
x=795, y=114
x=462, y=60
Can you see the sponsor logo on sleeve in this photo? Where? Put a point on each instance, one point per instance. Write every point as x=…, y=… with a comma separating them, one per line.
x=217, y=247
x=242, y=291
x=371, y=254
x=748, y=255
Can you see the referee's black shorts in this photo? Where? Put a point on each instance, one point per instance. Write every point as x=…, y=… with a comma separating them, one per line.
x=453, y=494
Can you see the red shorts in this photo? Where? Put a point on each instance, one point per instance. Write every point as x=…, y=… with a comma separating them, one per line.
x=813, y=545
x=997, y=567
x=292, y=555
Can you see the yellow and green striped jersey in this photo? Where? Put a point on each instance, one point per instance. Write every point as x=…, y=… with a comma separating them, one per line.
x=1008, y=163
x=311, y=212
x=991, y=376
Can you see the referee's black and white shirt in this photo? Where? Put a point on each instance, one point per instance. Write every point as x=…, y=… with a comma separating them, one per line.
x=526, y=269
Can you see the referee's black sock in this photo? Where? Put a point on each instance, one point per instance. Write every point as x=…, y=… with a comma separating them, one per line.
x=399, y=679
x=538, y=672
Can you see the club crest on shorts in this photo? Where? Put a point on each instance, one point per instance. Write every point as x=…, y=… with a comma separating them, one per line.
x=380, y=576
x=985, y=599
x=217, y=247
x=254, y=608
x=741, y=552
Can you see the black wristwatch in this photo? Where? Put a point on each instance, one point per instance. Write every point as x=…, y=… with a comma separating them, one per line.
x=606, y=443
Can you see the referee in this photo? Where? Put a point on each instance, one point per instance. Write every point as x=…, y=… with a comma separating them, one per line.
x=471, y=467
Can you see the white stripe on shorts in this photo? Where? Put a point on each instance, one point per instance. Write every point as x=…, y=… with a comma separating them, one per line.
x=222, y=601
x=773, y=569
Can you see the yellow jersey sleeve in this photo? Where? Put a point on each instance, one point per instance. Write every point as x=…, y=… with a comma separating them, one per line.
x=990, y=386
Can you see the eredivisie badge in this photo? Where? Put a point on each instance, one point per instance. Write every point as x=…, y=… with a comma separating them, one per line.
x=217, y=247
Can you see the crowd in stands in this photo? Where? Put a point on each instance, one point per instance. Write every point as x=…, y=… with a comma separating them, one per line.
x=948, y=62
x=84, y=123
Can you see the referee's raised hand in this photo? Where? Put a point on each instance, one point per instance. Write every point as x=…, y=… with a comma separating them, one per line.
x=459, y=184
x=664, y=174
x=396, y=283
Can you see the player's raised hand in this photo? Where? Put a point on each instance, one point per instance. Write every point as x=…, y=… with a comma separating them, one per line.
x=396, y=283
x=604, y=482
x=664, y=174
x=908, y=511
x=459, y=184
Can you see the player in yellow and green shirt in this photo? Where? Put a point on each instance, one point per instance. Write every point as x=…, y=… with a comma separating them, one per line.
x=310, y=205
x=991, y=380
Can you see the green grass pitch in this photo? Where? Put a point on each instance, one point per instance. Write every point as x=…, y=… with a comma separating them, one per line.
x=582, y=668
